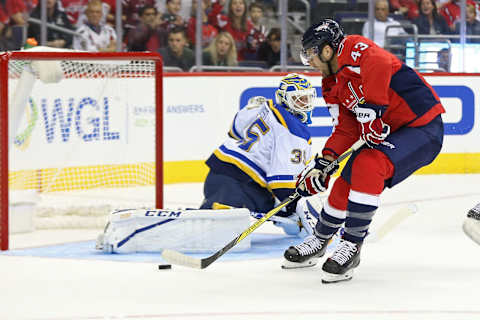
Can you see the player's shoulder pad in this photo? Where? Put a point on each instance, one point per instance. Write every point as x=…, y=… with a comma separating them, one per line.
x=290, y=122
x=255, y=107
x=350, y=44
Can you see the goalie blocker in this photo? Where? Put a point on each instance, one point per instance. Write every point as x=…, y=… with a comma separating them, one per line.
x=144, y=230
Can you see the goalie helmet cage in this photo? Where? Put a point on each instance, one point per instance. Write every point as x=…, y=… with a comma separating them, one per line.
x=126, y=65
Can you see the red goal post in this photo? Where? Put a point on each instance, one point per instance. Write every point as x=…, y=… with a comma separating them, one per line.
x=118, y=80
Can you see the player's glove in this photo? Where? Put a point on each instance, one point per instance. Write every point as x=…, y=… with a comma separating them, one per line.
x=373, y=129
x=314, y=179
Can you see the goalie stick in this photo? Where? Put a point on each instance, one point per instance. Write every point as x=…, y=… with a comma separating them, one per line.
x=178, y=258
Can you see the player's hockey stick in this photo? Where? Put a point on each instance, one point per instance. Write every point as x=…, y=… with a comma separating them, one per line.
x=178, y=258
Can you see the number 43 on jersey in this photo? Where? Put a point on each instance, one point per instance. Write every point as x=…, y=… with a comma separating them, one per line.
x=358, y=48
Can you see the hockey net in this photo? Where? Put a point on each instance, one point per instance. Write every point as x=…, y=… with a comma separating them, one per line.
x=84, y=136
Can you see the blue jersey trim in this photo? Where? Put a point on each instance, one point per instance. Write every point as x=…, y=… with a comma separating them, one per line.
x=293, y=124
x=409, y=86
x=241, y=157
x=281, y=177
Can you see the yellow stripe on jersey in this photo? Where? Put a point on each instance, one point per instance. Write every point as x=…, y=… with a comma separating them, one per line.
x=220, y=206
x=232, y=135
x=282, y=185
x=250, y=172
x=277, y=114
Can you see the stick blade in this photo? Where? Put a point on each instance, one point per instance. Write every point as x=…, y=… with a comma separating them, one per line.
x=394, y=221
x=177, y=258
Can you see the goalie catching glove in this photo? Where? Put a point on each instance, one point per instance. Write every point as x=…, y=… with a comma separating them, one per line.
x=313, y=179
x=373, y=129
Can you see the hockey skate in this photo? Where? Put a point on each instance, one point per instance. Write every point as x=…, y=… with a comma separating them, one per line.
x=471, y=225
x=305, y=254
x=339, y=267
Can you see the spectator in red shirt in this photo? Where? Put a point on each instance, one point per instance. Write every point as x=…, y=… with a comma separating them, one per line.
x=236, y=23
x=75, y=10
x=147, y=35
x=130, y=11
x=17, y=11
x=208, y=31
x=409, y=8
x=451, y=12
x=255, y=14
x=258, y=34
x=4, y=19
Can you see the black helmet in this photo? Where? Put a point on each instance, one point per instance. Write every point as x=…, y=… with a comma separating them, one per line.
x=327, y=31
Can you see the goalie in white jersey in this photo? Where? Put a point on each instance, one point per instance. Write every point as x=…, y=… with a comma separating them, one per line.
x=267, y=147
x=257, y=166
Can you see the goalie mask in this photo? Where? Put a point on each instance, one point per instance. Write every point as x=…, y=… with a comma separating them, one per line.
x=296, y=94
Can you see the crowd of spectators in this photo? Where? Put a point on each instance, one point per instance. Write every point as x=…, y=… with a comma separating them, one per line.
x=234, y=32
x=431, y=17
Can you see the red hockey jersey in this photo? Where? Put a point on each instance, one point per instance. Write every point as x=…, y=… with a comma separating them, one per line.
x=368, y=72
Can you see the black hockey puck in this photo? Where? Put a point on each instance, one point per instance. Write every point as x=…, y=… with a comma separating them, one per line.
x=164, y=266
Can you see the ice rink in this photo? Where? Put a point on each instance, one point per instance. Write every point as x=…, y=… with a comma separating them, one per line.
x=426, y=268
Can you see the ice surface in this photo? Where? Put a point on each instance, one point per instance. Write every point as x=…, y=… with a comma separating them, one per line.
x=426, y=268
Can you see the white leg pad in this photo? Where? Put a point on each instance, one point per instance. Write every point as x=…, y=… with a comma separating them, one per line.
x=308, y=210
x=143, y=230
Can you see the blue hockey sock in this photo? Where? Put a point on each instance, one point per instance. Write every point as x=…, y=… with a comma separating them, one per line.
x=327, y=225
x=359, y=217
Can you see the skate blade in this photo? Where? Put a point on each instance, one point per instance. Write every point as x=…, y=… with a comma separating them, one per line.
x=471, y=227
x=332, y=278
x=296, y=265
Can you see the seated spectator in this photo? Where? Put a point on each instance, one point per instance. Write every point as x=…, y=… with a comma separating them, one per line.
x=131, y=11
x=57, y=16
x=147, y=35
x=382, y=21
x=4, y=18
x=407, y=8
x=269, y=51
x=17, y=12
x=256, y=14
x=443, y=59
x=7, y=43
x=75, y=10
x=258, y=34
x=429, y=21
x=95, y=36
x=208, y=31
x=221, y=51
x=171, y=17
x=185, y=8
x=473, y=25
x=177, y=53
x=236, y=23
x=451, y=12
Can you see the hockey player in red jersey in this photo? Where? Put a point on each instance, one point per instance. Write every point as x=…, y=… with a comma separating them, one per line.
x=371, y=96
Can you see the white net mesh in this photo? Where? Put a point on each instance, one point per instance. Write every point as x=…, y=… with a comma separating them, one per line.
x=82, y=137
